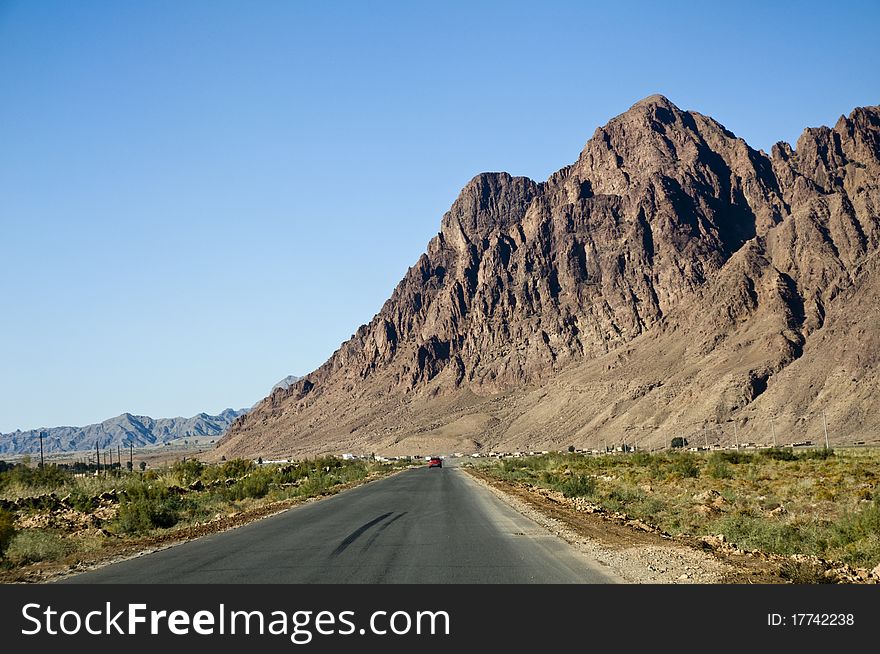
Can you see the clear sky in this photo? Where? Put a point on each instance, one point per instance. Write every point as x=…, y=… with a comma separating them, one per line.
x=200, y=198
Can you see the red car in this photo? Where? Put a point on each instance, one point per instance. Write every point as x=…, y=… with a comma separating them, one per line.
x=435, y=462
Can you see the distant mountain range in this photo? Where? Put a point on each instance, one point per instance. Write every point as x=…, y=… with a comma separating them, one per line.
x=123, y=431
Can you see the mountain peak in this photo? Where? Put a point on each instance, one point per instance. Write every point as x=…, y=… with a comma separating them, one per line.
x=655, y=100
x=669, y=277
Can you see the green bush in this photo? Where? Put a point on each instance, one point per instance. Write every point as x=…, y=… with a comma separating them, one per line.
x=821, y=454
x=317, y=483
x=857, y=536
x=578, y=486
x=34, y=545
x=718, y=469
x=291, y=473
x=38, y=477
x=7, y=530
x=255, y=485
x=188, y=471
x=758, y=533
x=147, y=507
x=731, y=456
x=622, y=496
x=804, y=572
x=685, y=465
x=779, y=454
x=232, y=469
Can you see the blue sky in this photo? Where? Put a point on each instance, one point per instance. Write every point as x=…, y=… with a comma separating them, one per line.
x=199, y=198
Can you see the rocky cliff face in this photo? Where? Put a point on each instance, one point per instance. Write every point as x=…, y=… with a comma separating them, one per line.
x=671, y=277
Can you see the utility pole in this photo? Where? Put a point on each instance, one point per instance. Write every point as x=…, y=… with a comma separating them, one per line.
x=131, y=455
x=119, y=455
x=825, y=427
x=773, y=428
x=735, y=435
x=41, y=449
x=705, y=436
x=97, y=457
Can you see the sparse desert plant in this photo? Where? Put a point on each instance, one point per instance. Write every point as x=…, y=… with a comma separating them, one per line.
x=731, y=456
x=188, y=470
x=231, y=469
x=778, y=500
x=35, y=545
x=821, y=454
x=254, y=485
x=578, y=486
x=779, y=454
x=719, y=469
x=146, y=507
x=803, y=572
x=685, y=465
x=7, y=530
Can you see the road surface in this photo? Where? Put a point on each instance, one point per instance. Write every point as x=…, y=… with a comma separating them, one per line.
x=423, y=525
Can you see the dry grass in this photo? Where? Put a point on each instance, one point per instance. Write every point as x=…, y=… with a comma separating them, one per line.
x=779, y=501
x=152, y=503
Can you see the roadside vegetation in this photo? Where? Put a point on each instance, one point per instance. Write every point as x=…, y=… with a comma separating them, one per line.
x=823, y=503
x=53, y=514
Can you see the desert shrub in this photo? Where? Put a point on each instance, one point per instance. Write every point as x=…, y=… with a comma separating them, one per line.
x=514, y=465
x=804, y=572
x=7, y=530
x=82, y=500
x=758, y=533
x=291, y=473
x=578, y=486
x=779, y=454
x=39, y=477
x=821, y=454
x=858, y=535
x=353, y=471
x=641, y=459
x=685, y=465
x=232, y=469
x=146, y=507
x=621, y=496
x=718, y=469
x=34, y=545
x=317, y=483
x=188, y=471
x=255, y=485
x=731, y=456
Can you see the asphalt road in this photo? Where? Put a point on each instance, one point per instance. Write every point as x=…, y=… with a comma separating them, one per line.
x=425, y=525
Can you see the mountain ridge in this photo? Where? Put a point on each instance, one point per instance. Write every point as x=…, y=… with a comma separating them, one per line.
x=123, y=430
x=667, y=232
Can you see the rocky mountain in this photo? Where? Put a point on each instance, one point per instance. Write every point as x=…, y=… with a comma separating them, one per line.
x=672, y=281
x=285, y=383
x=124, y=430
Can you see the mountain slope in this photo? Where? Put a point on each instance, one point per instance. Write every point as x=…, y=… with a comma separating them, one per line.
x=122, y=431
x=671, y=277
